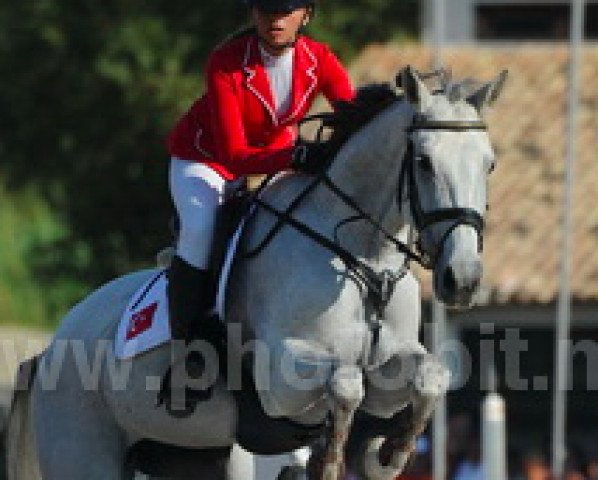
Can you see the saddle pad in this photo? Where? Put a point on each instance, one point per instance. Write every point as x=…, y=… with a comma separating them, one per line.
x=145, y=323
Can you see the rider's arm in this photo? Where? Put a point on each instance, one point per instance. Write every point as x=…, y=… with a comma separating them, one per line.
x=233, y=150
x=335, y=82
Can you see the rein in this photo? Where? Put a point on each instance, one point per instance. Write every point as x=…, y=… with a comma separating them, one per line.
x=380, y=285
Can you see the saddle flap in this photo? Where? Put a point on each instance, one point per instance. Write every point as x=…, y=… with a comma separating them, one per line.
x=144, y=324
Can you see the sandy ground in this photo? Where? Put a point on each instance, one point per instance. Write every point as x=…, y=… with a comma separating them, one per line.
x=16, y=345
x=20, y=342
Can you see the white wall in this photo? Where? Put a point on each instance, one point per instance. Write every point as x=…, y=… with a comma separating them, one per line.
x=459, y=20
x=460, y=17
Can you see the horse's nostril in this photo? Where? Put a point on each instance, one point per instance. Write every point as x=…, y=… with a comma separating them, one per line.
x=450, y=281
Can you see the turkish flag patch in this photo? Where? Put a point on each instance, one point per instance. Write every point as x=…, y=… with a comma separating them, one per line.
x=141, y=321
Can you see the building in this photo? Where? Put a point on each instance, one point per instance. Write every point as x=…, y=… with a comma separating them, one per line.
x=470, y=21
x=522, y=240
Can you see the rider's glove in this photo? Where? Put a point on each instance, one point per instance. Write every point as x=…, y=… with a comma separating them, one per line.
x=310, y=157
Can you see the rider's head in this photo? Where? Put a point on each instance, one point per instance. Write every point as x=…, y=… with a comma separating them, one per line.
x=278, y=21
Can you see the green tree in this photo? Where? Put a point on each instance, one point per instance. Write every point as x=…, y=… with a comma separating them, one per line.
x=349, y=26
x=88, y=91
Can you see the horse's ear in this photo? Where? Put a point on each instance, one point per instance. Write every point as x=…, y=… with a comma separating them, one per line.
x=415, y=90
x=488, y=94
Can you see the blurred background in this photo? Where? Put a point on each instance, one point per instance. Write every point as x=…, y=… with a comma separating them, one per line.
x=89, y=89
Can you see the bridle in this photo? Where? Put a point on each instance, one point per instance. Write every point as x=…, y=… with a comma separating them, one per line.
x=380, y=285
x=424, y=219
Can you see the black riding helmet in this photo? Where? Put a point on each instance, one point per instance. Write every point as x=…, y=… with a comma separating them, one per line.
x=279, y=6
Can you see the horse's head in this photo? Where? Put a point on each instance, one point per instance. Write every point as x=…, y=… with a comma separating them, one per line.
x=445, y=175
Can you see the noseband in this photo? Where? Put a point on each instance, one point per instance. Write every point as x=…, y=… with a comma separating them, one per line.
x=425, y=219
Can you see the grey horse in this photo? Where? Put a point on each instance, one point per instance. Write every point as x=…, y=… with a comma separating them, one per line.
x=328, y=309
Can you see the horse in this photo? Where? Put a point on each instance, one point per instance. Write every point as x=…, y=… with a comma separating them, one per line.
x=321, y=296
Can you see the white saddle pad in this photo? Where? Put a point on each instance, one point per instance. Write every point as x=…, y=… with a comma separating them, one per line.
x=145, y=323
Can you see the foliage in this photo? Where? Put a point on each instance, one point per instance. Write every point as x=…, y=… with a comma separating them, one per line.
x=88, y=91
x=348, y=26
x=27, y=226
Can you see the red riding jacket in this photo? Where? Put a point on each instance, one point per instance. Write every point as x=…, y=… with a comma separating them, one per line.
x=233, y=127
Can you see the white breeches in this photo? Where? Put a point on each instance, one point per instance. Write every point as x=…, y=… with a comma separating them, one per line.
x=198, y=192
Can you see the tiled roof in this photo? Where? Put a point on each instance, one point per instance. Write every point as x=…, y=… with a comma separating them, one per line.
x=528, y=129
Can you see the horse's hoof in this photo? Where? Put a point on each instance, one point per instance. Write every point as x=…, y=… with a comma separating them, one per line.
x=372, y=466
x=432, y=378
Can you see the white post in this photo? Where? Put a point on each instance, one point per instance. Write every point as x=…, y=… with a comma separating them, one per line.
x=494, y=443
x=564, y=305
x=440, y=414
x=439, y=16
x=438, y=310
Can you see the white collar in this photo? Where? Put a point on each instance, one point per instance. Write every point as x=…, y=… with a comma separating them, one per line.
x=272, y=60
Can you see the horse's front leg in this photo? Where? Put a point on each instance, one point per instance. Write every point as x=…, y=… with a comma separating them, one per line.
x=386, y=447
x=346, y=393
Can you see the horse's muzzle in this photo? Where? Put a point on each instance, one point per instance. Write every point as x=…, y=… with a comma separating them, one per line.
x=456, y=283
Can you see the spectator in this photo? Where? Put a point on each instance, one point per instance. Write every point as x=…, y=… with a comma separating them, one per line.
x=514, y=465
x=576, y=464
x=535, y=467
x=471, y=467
x=592, y=468
x=461, y=428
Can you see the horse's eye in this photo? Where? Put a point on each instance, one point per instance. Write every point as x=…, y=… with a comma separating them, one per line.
x=492, y=168
x=425, y=163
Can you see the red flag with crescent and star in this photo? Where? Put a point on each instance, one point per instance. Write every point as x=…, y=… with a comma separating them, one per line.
x=141, y=321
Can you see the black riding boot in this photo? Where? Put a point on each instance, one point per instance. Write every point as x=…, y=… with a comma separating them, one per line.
x=191, y=294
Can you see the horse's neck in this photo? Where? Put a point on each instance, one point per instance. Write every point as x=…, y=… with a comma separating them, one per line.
x=367, y=169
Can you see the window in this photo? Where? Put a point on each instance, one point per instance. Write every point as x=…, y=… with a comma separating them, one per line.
x=530, y=22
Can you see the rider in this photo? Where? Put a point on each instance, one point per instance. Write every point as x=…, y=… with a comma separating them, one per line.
x=260, y=84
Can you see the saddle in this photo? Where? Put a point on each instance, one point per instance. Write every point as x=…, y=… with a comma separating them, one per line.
x=284, y=435
x=237, y=202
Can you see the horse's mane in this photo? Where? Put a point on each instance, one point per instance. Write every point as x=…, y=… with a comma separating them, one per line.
x=350, y=116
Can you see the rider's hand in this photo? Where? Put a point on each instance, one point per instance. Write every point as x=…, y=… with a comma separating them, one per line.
x=310, y=157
